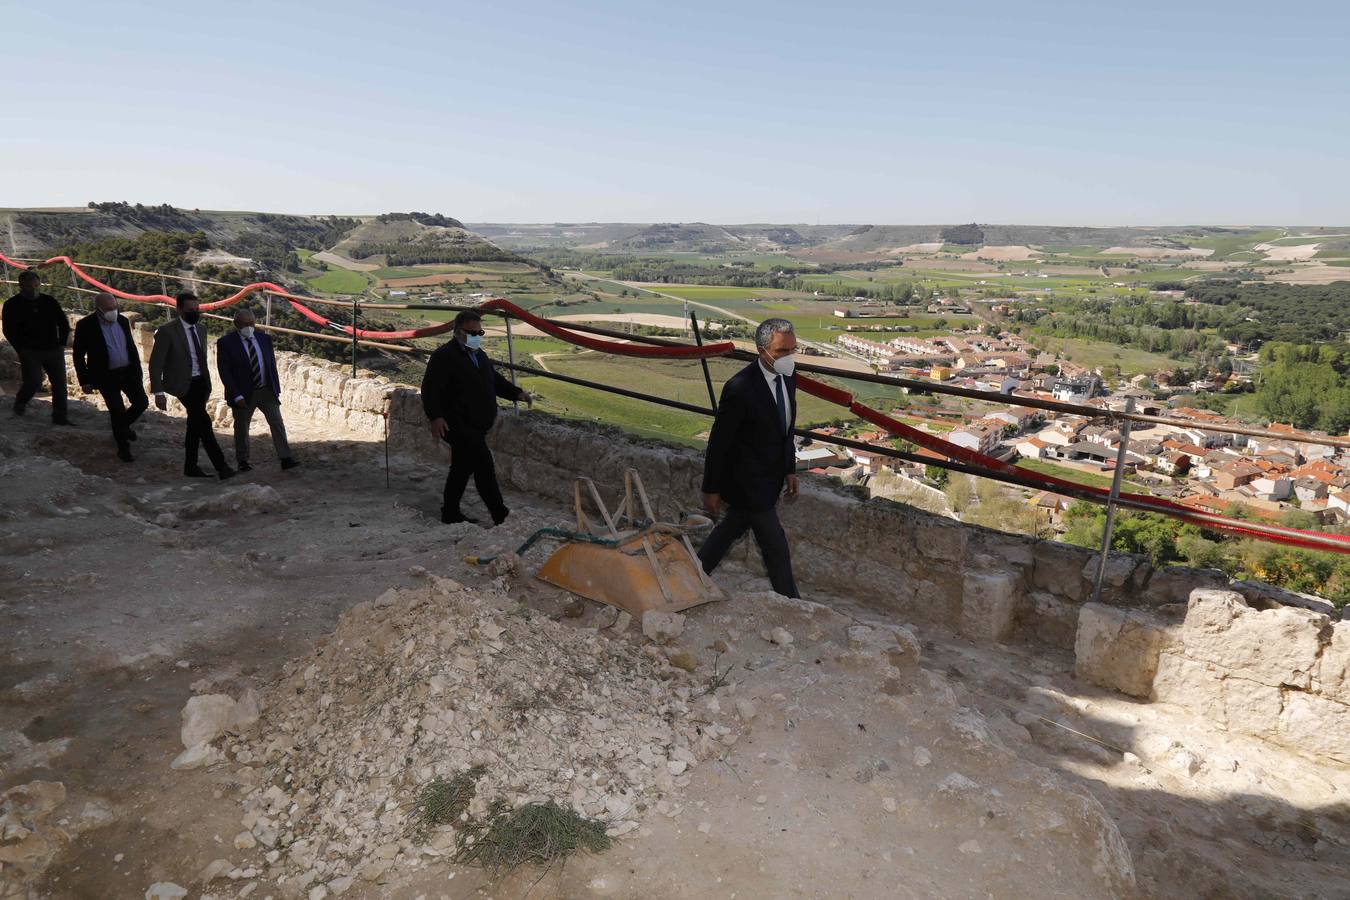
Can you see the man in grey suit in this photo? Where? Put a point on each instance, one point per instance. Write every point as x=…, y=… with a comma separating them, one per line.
x=178, y=366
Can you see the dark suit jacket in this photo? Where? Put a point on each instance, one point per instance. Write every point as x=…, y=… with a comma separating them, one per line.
x=171, y=362
x=464, y=394
x=750, y=454
x=91, y=350
x=236, y=372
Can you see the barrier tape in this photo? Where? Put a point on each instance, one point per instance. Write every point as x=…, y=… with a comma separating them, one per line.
x=1313, y=540
x=692, y=352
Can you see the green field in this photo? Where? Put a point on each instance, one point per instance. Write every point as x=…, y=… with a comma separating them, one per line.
x=1093, y=354
x=1225, y=246
x=338, y=281
x=1090, y=479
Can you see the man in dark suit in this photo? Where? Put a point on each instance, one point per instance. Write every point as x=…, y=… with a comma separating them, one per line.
x=178, y=366
x=248, y=374
x=37, y=327
x=106, y=360
x=751, y=455
x=459, y=394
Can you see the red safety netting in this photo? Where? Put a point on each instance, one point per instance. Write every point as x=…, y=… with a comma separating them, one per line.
x=1314, y=540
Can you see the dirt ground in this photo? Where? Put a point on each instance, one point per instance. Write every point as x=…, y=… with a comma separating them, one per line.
x=988, y=772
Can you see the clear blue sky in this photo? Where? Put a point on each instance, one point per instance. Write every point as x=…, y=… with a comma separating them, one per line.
x=889, y=112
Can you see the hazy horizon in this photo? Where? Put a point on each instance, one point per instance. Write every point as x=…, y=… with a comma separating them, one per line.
x=721, y=113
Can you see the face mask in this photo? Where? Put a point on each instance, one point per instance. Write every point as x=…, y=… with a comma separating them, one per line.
x=473, y=341
x=246, y=332
x=109, y=315
x=190, y=317
x=785, y=365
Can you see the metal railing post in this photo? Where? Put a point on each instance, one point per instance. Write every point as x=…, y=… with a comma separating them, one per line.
x=1117, y=477
x=511, y=357
x=707, y=372
x=267, y=299
x=356, y=311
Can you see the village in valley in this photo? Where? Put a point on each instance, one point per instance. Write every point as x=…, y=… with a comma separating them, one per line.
x=1197, y=464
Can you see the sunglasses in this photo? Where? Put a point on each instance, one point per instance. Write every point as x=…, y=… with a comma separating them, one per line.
x=479, y=333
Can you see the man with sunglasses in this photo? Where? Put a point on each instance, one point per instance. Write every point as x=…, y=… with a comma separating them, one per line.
x=459, y=394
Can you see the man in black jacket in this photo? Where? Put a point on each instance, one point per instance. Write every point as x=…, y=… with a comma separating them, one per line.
x=106, y=360
x=37, y=327
x=459, y=394
x=751, y=456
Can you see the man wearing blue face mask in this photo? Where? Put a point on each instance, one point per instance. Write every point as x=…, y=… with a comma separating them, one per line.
x=247, y=365
x=751, y=459
x=459, y=395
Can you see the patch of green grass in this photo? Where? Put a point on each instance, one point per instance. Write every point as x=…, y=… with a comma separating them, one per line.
x=442, y=801
x=338, y=281
x=1077, y=476
x=538, y=833
x=1094, y=354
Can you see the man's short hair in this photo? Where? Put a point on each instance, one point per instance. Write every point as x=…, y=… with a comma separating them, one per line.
x=29, y=275
x=468, y=315
x=245, y=311
x=185, y=297
x=768, y=328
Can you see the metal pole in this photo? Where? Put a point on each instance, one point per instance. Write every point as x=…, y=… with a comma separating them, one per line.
x=267, y=297
x=707, y=373
x=355, y=312
x=1116, y=479
x=511, y=358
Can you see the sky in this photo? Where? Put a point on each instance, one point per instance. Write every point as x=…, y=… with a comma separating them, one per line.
x=1039, y=112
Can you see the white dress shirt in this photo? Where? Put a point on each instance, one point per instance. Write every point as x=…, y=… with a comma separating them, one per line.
x=772, y=378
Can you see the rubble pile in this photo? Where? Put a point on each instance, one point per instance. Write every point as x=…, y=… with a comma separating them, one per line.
x=429, y=682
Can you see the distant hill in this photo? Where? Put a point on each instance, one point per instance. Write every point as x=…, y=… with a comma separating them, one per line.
x=666, y=237
x=264, y=237
x=406, y=239
x=268, y=239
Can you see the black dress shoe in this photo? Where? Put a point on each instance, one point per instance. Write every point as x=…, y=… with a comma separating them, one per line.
x=226, y=473
x=245, y=467
x=131, y=435
x=124, y=454
x=289, y=462
x=195, y=472
x=456, y=518
x=63, y=421
x=500, y=517
x=20, y=408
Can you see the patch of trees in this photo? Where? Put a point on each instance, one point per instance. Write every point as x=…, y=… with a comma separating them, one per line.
x=1294, y=313
x=1308, y=386
x=411, y=254
x=1158, y=326
x=963, y=234
x=1167, y=541
x=421, y=218
x=163, y=216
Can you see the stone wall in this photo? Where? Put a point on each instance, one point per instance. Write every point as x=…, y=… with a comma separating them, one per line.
x=1253, y=666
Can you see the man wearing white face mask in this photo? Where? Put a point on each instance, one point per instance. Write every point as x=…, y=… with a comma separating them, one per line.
x=106, y=361
x=459, y=395
x=751, y=459
x=247, y=365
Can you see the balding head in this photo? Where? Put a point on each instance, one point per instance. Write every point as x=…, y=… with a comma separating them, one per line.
x=104, y=301
x=244, y=317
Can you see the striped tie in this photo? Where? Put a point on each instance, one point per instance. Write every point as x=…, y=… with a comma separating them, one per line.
x=255, y=363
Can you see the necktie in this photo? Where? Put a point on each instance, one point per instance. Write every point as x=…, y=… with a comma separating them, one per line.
x=197, y=351
x=473, y=358
x=255, y=364
x=782, y=402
